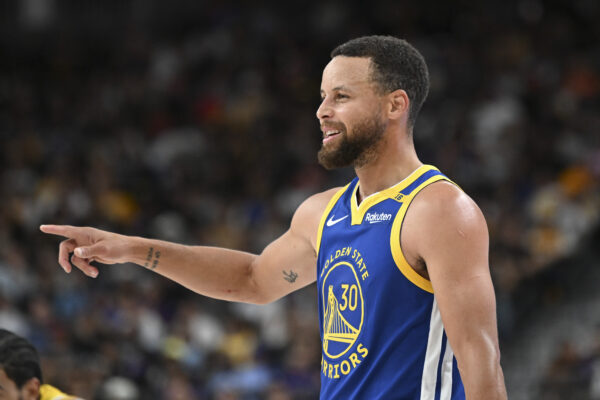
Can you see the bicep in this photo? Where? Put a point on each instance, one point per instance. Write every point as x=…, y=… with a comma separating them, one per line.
x=456, y=255
x=468, y=308
x=290, y=262
x=451, y=237
x=286, y=265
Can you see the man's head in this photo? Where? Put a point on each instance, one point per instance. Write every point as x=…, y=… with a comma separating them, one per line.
x=369, y=82
x=20, y=372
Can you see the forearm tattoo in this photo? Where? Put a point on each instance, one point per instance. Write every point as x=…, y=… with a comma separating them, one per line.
x=152, y=258
x=290, y=276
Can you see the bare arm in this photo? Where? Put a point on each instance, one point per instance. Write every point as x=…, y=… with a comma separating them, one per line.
x=287, y=264
x=448, y=232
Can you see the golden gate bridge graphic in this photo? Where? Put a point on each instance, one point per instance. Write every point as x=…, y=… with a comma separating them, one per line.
x=336, y=327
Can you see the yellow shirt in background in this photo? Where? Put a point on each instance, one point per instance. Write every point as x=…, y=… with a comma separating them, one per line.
x=48, y=392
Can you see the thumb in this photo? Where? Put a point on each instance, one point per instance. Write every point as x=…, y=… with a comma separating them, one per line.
x=90, y=251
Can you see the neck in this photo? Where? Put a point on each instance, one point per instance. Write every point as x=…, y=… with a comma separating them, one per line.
x=396, y=159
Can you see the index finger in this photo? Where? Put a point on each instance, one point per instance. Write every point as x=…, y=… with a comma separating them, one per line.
x=61, y=230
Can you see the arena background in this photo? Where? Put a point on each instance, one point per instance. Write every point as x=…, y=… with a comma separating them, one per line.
x=194, y=121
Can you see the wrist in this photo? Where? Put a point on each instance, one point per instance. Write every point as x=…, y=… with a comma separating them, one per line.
x=137, y=249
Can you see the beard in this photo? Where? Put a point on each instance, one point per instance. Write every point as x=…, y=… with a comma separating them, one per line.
x=356, y=150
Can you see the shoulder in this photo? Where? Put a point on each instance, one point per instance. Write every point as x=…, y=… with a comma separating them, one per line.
x=444, y=199
x=443, y=215
x=314, y=206
x=308, y=215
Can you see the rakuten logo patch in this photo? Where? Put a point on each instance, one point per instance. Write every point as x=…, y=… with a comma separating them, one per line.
x=378, y=217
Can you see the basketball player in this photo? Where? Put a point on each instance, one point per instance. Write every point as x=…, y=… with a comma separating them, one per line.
x=20, y=372
x=400, y=254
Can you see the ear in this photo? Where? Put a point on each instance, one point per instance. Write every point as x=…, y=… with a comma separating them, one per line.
x=31, y=389
x=399, y=104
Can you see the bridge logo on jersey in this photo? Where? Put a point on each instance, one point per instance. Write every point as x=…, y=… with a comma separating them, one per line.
x=343, y=312
x=344, y=309
x=337, y=329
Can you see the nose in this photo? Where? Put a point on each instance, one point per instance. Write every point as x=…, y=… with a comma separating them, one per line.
x=324, y=111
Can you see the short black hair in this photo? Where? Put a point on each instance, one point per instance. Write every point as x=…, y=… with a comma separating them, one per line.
x=397, y=65
x=18, y=358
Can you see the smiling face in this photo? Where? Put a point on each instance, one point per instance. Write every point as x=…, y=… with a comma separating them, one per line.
x=350, y=114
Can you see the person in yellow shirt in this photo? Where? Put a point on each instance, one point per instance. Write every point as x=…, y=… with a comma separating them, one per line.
x=20, y=372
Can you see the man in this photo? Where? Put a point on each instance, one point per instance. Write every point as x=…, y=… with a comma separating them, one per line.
x=405, y=295
x=20, y=372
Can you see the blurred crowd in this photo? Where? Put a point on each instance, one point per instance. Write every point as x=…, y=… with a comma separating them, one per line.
x=573, y=374
x=194, y=121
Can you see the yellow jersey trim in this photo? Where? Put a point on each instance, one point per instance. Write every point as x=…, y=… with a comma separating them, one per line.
x=330, y=205
x=358, y=211
x=48, y=392
x=397, y=253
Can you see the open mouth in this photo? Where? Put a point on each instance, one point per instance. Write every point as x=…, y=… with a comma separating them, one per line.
x=330, y=135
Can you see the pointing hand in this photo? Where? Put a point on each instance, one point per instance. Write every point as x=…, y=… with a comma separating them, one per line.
x=87, y=245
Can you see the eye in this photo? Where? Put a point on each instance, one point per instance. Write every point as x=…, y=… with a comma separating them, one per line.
x=341, y=96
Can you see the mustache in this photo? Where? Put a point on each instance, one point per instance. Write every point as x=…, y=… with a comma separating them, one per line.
x=334, y=126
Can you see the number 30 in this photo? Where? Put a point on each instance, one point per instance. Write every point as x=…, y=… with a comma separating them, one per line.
x=352, y=301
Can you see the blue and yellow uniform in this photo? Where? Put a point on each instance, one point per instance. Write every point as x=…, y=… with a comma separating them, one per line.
x=381, y=329
x=48, y=392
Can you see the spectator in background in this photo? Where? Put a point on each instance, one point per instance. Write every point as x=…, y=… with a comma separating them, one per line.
x=20, y=371
x=118, y=388
x=567, y=377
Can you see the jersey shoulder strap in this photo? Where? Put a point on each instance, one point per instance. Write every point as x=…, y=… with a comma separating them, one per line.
x=406, y=196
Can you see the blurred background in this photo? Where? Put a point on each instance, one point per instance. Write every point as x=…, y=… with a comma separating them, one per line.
x=194, y=121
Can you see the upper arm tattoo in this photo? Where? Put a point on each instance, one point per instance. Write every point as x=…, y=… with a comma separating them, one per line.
x=290, y=276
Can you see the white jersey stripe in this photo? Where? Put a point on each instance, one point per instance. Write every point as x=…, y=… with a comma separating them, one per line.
x=432, y=355
x=446, y=376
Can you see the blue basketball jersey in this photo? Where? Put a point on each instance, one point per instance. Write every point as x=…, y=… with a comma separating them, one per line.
x=381, y=330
